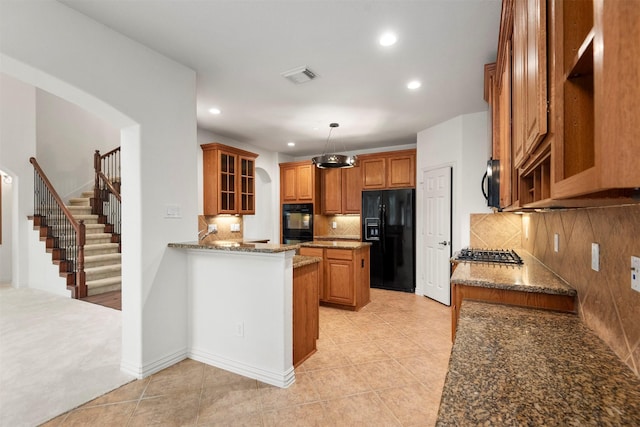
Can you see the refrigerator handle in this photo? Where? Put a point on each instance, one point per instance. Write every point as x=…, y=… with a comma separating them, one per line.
x=383, y=226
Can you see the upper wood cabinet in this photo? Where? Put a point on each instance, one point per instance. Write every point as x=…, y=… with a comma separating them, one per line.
x=341, y=191
x=299, y=182
x=228, y=180
x=393, y=169
x=574, y=136
x=598, y=92
x=529, y=77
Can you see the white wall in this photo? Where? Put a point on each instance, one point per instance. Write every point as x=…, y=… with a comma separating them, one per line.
x=461, y=143
x=66, y=139
x=265, y=224
x=7, y=224
x=17, y=144
x=151, y=99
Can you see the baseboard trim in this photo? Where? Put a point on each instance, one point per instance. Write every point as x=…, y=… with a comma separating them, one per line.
x=278, y=379
x=153, y=367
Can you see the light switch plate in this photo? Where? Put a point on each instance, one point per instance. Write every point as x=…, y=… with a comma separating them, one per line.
x=212, y=228
x=635, y=273
x=595, y=257
x=173, y=211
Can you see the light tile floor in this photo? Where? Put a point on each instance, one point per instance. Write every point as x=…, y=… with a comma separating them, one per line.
x=382, y=366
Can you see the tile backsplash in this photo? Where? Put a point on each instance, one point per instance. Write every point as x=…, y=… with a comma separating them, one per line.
x=496, y=231
x=346, y=225
x=223, y=223
x=606, y=302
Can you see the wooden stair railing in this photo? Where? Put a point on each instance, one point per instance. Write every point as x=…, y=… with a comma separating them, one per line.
x=67, y=243
x=106, y=202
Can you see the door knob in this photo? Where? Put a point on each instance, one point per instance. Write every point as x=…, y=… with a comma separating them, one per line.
x=443, y=243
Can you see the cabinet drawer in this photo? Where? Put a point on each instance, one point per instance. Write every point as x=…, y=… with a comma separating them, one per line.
x=346, y=254
x=311, y=252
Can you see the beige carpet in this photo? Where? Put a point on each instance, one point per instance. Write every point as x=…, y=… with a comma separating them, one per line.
x=55, y=353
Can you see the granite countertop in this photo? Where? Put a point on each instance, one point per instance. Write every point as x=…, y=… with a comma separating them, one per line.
x=302, y=260
x=335, y=244
x=235, y=246
x=355, y=237
x=522, y=366
x=532, y=276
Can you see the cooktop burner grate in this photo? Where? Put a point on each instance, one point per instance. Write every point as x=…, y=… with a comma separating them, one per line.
x=494, y=256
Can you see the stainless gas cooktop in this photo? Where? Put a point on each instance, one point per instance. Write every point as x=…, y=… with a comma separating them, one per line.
x=492, y=256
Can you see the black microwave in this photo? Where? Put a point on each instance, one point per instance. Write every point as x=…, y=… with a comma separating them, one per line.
x=491, y=184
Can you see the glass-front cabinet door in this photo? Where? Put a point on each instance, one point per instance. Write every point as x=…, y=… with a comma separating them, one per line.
x=227, y=183
x=247, y=186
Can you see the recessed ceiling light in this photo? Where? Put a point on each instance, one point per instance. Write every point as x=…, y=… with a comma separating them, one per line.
x=215, y=110
x=414, y=84
x=388, y=39
x=291, y=144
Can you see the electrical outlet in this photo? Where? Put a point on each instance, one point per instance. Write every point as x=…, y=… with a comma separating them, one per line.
x=240, y=329
x=556, y=242
x=595, y=257
x=212, y=228
x=334, y=225
x=635, y=273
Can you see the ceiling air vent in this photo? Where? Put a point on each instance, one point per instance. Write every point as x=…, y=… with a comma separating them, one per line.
x=299, y=75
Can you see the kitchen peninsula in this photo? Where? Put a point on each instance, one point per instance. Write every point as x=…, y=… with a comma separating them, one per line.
x=240, y=307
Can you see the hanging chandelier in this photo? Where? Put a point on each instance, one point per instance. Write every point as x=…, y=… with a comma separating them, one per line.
x=329, y=161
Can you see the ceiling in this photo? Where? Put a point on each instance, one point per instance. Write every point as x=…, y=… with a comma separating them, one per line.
x=239, y=49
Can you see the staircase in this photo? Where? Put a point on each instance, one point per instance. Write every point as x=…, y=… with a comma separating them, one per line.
x=102, y=258
x=84, y=235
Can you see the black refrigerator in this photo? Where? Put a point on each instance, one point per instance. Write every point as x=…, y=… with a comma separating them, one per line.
x=388, y=223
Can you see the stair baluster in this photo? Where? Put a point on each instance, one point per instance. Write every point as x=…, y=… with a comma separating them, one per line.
x=67, y=243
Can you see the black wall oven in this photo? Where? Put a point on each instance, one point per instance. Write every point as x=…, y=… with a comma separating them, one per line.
x=297, y=223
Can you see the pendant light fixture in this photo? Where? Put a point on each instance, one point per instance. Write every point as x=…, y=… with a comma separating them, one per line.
x=332, y=161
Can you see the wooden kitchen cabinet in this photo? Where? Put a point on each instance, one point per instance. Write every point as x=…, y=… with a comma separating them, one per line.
x=529, y=83
x=394, y=169
x=340, y=277
x=346, y=281
x=228, y=180
x=584, y=154
x=299, y=182
x=317, y=252
x=598, y=93
x=341, y=191
x=305, y=311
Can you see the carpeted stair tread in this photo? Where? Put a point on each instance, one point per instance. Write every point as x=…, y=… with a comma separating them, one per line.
x=80, y=201
x=101, y=246
x=103, y=268
x=103, y=257
x=99, y=286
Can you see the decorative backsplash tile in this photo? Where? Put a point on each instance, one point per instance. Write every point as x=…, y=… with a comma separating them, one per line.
x=346, y=225
x=223, y=222
x=606, y=302
x=498, y=230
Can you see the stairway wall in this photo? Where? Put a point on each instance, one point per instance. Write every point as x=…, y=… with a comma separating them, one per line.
x=66, y=138
x=46, y=277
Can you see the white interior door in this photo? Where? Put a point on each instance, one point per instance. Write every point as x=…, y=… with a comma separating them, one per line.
x=437, y=234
